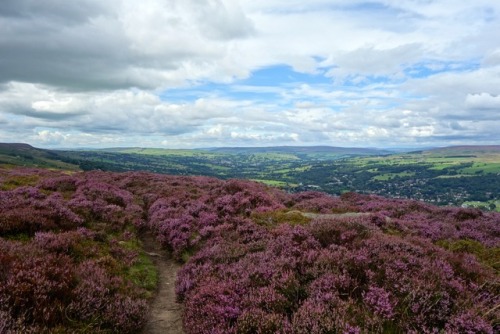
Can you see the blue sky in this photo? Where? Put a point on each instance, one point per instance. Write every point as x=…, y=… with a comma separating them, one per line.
x=181, y=74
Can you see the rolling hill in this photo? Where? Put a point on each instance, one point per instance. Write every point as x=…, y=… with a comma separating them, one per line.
x=19, y=154
x=460, y=175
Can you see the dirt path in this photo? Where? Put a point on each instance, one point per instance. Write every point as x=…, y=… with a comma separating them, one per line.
x=165, y=313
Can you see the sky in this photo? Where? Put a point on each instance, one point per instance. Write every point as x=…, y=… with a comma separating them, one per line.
x=208, y=73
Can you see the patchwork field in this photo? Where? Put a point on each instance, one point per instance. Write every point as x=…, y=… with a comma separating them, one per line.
x=448, y=176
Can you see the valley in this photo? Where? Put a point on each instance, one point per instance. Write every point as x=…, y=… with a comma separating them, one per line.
x=133, y=251
x=462, y=175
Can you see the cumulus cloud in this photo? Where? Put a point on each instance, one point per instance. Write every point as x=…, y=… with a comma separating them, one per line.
x=482, y=101
x=387, y=72
x=370, y=61
x=118, y=44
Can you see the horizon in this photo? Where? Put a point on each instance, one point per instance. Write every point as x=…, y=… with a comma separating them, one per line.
x=395, y=149
x=246, y=73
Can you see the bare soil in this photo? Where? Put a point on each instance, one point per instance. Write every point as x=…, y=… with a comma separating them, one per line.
x=165, y=313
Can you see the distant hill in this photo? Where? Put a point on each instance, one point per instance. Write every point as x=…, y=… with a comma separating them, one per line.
x=20, y=154
x=471, y=152
x=303, y=151
x=471, y=149
x=298, y=150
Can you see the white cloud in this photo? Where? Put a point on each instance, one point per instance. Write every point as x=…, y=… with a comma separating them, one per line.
x=99, y=73
x=482, y=101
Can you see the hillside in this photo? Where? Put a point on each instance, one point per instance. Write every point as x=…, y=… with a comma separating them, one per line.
x=447, y=176
x=304, y=152
x=465, y=150
x=254, y=259
x=18, y=154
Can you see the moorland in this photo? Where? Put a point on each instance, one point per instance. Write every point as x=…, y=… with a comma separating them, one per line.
x=254, y=258
x=462, y=175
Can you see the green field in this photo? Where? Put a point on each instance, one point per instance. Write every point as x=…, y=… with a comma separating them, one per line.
x=444, y=176
x=389, y=176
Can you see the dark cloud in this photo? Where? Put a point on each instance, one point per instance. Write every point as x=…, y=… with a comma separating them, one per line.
x=67, y=12
x=22, y=110
x=456, y=126
x=86, y=45
x=73, y=54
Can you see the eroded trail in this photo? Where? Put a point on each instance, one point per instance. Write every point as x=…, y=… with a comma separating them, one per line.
x=165, y=313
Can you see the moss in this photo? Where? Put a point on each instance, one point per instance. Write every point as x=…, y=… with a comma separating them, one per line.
x=489, y=256
x=273, y=218
x=186, y=255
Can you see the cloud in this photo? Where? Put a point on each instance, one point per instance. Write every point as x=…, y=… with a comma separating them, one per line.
x=119, y=45
x=370, y=61
x=184, y=73
x=464, y=95
x=492, y=58
x=482, y=101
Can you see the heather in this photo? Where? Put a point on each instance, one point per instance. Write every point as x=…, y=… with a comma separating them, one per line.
x=67, y=250
x=255, y=259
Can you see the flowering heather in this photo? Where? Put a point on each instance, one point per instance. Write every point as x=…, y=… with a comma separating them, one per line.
x=59, y=269
x=28, y=210
x=347, y=273
x=256, y=260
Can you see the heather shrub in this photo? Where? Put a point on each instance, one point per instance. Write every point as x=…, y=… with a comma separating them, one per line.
x=62, y=277
x=5, y=322
x=318, y=202
x=27, y=210
x=254, y=262
x=62, y=184
x=213, y=308
x=41, y=288
x=467, y=322
x=57, y=242
x=254, y=320
x=336, y=275
x=36, y=289
x=105, y=301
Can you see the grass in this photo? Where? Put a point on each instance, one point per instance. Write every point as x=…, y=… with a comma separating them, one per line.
x=477, y=204
x=274, y=183
x=273, y=218
x=217, y=167
x=388, y=176
x=13, y=182
x=479, y=167
x=453, y=176
x=273, y=156
x=36, y=163
x=144, y=274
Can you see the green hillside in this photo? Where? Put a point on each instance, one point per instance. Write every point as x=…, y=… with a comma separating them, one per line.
x=461, y=175
x=18, y=154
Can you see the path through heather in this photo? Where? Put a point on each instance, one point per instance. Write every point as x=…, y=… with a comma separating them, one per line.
x=165, y=312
